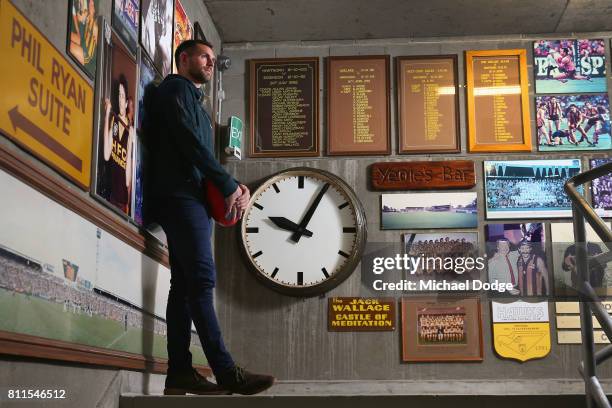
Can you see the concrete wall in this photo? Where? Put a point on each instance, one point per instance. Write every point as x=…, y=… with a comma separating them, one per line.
x=287, y=336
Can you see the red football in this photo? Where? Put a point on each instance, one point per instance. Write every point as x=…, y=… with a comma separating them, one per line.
x=216, y=206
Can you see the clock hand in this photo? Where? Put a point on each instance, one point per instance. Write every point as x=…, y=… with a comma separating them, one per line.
x=304, y=223
x=288, y=225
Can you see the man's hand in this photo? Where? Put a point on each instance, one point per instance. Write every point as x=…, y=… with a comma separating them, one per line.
x=243, y=201
x=230, y=200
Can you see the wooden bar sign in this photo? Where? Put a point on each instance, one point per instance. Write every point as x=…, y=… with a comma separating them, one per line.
x=423, y=175
x=351, y=314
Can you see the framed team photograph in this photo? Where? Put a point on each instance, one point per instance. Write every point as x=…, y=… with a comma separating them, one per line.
x=528, y=188
x=429, y=210
x=601, y=190
x=113, y=182
x=125, y=20
x=564, y=261
x=436, y=248
x=441, y=329
x=84, y=34
x=516, y=254
x=569, y=66
x=156, y=32
x=573, y=122
x=183, y=30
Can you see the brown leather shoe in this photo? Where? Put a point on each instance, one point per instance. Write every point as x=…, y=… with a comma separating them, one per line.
x=191, y=382
x=240, y=381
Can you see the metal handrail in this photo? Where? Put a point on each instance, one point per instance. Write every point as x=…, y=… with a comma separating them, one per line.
x=589, y=301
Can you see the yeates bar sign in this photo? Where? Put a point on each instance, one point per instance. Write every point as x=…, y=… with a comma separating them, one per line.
x=422, y=175
x=47, y=106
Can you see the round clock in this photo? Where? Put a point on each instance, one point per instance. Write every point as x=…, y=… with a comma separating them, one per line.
x=304, y=231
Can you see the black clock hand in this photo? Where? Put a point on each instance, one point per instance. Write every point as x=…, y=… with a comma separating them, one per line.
x=288, y=225
x=304, y=223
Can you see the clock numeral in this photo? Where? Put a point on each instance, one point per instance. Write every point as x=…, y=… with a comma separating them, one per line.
x=276, y=188
x=300, y=278
x=300, y=181
x=341, y=206
x=344, y=254
x=274, y=272
x=325, y=272
x=349, y=230
x=257, y=254
x=252, y=230
x=257, y=206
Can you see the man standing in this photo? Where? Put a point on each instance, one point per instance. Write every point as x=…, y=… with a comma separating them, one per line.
x=181, y=158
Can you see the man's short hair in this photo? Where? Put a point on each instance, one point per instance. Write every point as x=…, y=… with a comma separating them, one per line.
x=188, y=46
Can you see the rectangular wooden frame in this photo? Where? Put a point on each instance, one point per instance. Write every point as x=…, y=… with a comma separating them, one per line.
x=253, y=100
x=525, y=116
x=388, y=105
x=398, y=95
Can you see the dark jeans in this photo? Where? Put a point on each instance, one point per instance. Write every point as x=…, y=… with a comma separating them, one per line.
x=188, y=229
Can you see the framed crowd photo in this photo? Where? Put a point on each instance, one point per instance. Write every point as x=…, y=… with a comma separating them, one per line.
x=156, y=32
x=428, y=104
x=125, y=20
x=358, y=107
x=569, y=66
x=284, y=107
x=83, y=34
x=601, y=190
x=436, y=329
x=498, y=101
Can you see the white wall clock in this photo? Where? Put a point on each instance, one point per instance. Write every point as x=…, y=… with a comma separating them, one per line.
x=304, y=231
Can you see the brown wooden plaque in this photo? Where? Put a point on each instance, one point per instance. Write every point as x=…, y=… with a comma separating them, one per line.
x=358, y=115
x=284, y=107
x=497, y=99
x=428, y=104
x=349, y=314
x=423, y=175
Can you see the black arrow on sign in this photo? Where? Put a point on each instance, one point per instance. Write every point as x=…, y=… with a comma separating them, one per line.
x=25, y=124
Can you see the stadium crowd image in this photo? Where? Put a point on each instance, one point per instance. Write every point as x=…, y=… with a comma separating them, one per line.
x=334, y=202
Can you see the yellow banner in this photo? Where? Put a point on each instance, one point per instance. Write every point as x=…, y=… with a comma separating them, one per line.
x=46, y=105
x=521, y=341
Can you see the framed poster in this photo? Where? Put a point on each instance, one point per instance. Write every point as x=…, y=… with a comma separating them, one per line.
x=601, y=190
x=428, y=104
x=573, y=122
x=358, y=112
x=441, y=329
x=284, y=107
x=156, y=31
x=497, y=101
x=183, y=30
x=116, y=134
x=569, y=66
x=528, y=188
x=125, y=19
x=83, y=34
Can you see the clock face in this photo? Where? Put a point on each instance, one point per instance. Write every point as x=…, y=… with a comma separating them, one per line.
x=303, y=231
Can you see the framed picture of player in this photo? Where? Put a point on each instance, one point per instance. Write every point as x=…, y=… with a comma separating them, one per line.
x=183, y=30
x=83, y=34
x=573, y=122
x=156, y=32
x=516, y=254
x=528, y=188
x=125, y=20
x=441, y=329
x=601, y=190
x=114, y=157
x=569, y=66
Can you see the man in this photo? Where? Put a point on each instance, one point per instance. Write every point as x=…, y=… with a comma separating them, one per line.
x=502, y=265
x=181, y=158
x=532, y=271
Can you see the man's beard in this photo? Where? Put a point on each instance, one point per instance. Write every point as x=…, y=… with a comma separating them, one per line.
x=199, y=76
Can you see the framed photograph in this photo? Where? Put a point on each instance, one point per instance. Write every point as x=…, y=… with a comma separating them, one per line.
x=125, y=19
x=183, y=30
x=498, y=101
x=358, y=107
x=569, y=66
x=442, y=246
x=528, y=188
x=156, y=32
x=429, y=210
x=83, y=34
x=428, y=104
x=516, y=254
x=284, y=107
x=113, y=182
x=601, y=190
x=564, y=261
x=573, y=122
x=441, y=329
